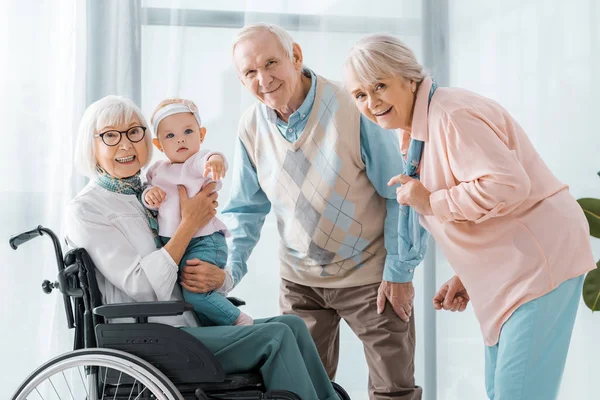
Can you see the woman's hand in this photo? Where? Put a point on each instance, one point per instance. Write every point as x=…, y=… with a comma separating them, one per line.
x=412, y=193
x=452, y=296
x=215, y=166
x=201, y=277
x=400, y=296
x=201, y=208
x=196, y=212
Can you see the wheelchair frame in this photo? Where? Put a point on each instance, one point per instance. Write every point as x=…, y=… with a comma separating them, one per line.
x=169, y=353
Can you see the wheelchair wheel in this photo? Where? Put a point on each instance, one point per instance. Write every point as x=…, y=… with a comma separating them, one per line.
x=97, y=374
x=341, y=392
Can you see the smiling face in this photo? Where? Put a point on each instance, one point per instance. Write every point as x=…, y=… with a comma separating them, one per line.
x=126, y=158
x=179, y=136
x=387, y=102
x=269, y=73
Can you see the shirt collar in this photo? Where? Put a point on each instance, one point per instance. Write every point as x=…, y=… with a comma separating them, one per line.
x=304, y=108
x=420, y=128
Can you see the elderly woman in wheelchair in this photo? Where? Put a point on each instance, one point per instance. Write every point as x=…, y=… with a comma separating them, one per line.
x=115, y=273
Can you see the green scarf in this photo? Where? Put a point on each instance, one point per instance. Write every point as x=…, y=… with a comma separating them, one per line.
x=132, y=185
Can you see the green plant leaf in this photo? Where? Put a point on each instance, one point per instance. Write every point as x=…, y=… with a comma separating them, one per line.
x=591, y=209
x=591, y=289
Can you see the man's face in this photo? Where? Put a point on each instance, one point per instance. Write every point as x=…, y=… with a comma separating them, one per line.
x=267, y=71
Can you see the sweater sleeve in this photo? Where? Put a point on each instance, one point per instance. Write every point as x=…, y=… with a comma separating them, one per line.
x=491, y=180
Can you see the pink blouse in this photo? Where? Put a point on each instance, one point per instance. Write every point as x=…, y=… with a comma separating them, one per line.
x=510, y=229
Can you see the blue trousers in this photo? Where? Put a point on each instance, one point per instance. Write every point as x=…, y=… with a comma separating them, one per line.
x=212, y=308
x=280, y=347
x=528, y=361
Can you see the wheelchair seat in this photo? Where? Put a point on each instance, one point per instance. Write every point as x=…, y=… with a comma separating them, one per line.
x=188, y=363
x=172, y=363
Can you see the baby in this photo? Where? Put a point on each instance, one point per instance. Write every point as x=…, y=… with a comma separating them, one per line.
x=179, y=134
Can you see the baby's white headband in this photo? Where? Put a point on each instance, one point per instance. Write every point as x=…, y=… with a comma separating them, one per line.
x=175, y=108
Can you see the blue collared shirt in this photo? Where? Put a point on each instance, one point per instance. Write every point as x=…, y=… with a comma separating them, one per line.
x=249, y=205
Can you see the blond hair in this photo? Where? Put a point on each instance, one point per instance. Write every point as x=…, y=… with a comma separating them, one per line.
x=380, y=56
x=189, y=103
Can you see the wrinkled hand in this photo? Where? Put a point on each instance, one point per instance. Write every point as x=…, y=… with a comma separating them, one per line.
x=452, y=296
x=201, y=208
x=400, y=296
x=412, y=193
x=155, y=196
x=215, y=166
x=201, y=277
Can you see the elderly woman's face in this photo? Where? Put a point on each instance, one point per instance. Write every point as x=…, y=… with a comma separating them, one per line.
x=387, y=102
x=126, y=158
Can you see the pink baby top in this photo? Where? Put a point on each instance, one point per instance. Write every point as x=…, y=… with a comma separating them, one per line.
x=167, y=175
x=510, y=229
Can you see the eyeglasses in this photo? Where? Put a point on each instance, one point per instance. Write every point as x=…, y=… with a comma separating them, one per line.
x=113, y=138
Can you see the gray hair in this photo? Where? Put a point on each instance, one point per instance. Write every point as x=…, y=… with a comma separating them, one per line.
x=108, y=111
x=282, y=36
x=381, y=56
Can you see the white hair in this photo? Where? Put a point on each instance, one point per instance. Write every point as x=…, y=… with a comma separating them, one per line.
x=381, y=56
x=108, y=111
x=281, y=35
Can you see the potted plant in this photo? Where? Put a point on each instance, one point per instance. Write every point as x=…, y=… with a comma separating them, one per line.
x=591, y=284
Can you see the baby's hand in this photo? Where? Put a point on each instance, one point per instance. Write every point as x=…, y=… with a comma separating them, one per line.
x=155, y=196
x=216, y=166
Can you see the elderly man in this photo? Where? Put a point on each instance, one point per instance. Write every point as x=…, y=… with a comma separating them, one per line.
x=306, y=152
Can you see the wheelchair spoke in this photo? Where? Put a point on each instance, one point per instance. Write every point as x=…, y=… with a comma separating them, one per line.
x=67, y=383
x=53, y=387
x=118, y=384
x=132, y=387
x=140, y=393
x=38, y=392
x=104, y=385
x=87, y=395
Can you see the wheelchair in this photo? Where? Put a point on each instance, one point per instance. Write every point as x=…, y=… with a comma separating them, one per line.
x=134, y=361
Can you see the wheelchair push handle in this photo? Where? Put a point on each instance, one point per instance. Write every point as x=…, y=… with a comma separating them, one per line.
x=17, y=240
x=47, y=286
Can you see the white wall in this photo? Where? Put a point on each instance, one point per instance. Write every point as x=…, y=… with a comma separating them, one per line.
x=541, y=60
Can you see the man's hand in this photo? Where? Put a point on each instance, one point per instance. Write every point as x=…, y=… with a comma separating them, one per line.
x=201, y=277
x=452, y=296
x=215, y=166
x=400, y=296
x=412, y=193
x=155, y=196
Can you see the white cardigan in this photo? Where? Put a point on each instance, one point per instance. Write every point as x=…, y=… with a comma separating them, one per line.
x=113, y=228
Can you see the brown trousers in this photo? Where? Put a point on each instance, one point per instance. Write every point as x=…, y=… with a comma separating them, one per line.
x=388, y=342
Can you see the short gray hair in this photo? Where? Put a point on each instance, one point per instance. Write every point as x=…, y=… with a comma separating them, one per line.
x=282, y=36
x=109, y=110
x=381, y=56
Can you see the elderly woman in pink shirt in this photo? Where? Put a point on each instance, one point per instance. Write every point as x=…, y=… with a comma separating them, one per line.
x=515, y=237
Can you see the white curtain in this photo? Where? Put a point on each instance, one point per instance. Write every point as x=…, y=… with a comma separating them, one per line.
x=41, y=47
x=57, y=57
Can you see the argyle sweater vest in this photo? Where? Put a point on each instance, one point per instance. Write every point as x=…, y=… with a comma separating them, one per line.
x=330, y=217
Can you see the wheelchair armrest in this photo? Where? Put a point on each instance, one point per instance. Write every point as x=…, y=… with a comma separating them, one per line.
x=143, y=309
x=236, y=302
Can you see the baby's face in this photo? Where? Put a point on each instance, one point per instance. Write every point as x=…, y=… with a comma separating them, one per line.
x=180, y=136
